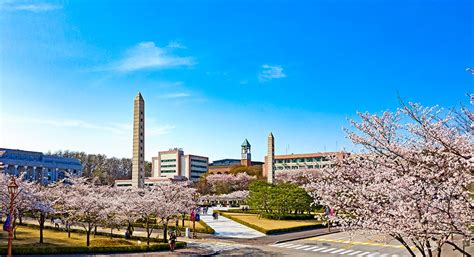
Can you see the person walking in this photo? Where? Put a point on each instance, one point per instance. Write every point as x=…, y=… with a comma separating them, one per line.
x=172, y=240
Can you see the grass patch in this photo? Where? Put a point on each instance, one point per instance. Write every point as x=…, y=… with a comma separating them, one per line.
x=57, y=242
x=269, y=226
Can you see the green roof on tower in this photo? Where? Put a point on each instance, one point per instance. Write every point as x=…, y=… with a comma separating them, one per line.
x=246, y=143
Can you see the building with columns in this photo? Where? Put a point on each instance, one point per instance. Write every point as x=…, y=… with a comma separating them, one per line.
x=38, y=166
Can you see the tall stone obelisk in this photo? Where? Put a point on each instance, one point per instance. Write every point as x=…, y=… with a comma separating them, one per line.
x=270, y=158
x=138, y=160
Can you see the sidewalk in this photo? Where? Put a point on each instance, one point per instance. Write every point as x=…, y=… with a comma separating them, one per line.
x=225, y=227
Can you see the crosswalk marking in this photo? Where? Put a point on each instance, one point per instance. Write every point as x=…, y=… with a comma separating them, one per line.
x=340, y=250
x=293, y=246
x=373, y=254
x=304, y=246
x=280, y=244
x=284, y=245
x=328, y=250
x=311, y=248
x=319, y=249
x=332, y=250
x=348, y=251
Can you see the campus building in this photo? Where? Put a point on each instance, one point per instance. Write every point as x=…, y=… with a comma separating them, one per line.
x=172, y=166
x=38, y=166
x=225, y=165
x=174, y=163
x=306, y=161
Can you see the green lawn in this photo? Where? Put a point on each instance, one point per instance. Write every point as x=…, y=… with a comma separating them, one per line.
x=27, y=242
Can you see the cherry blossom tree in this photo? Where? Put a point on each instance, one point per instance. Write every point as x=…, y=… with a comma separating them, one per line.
x=300, y=177
x=175, y=198
x=411, y=181
x=149, y=204
x=42, y=201
x=85, y=204
x=226, y=183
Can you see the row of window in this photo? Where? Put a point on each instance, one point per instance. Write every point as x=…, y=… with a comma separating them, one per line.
x=304, y=167
x=198, y=166
x=198, y=160
x=168, y=171
x=169, y=160
x=168, y=166
x=293, y=160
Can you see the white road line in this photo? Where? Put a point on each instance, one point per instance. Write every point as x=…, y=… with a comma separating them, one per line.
x=362, y=254
x=319, y=249
x=279, y=244
x=348, y=251
x=293, y=246
x=328, y=250
x=284, y=245
x=304, y=246
x=311, y=248
x=384, y=255
x=373, y=254
x=395, y=255
x=340, y=250
x=355, y=252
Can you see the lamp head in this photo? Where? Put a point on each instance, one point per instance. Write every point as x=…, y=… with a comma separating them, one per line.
x=12, y=186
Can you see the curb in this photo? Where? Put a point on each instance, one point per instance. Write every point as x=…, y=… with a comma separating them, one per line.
x=304, y=237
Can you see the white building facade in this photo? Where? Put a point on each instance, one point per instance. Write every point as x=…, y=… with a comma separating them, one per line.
x=174, y=163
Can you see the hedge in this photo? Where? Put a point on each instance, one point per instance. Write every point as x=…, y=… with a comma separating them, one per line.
x=271, y=215
x=92, y=249
x=278, y=216
x=272, y=231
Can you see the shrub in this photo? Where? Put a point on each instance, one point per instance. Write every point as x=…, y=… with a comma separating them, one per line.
x=286, y=216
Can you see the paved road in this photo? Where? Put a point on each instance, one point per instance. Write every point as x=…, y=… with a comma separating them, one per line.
x=341, y=244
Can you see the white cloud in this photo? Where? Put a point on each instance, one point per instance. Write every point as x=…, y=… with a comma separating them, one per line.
x=146, y=55
x=270, y=72
x=33, y=7
x=157, y=131
x=175, y=44
x=117, y=128
x=177, y=95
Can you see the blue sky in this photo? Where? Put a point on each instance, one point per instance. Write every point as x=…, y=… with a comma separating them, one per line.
x=216, y=72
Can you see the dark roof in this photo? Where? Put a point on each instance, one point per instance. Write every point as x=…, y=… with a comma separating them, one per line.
x=246, y=143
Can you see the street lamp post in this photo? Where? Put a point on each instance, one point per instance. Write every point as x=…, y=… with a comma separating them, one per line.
x=12, y=190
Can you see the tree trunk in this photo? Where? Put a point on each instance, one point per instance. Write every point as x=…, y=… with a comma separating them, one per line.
x=95, y=230
x=182, y=220
x=41, y=220
x=147, y=231
x=400, y=239
x=165, y=233
x=88, y=236
x=458, y=248
x=68, y=226
x=428, y=246
x=20, y=217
